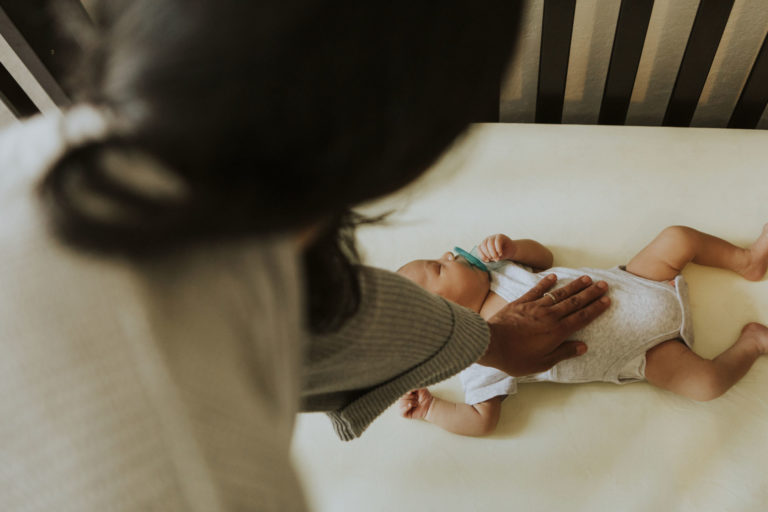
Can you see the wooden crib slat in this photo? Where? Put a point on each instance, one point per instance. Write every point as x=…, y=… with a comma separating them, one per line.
x=557, y=27
x=32, y=31
x=631, y=28
x=754, y=96
x=708, y=27
x=14, y=97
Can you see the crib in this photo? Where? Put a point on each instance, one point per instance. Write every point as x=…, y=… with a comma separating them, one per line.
x=614, y=119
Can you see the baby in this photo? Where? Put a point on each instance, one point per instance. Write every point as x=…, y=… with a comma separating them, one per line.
x=645, y=334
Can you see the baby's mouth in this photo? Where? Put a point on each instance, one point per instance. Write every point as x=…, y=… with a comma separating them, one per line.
x=469, y=258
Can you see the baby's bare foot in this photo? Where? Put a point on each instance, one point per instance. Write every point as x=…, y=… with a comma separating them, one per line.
x=757, y=334
x=758, y=258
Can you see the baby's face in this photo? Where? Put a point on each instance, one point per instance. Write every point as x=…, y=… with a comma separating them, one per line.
x=451, y=277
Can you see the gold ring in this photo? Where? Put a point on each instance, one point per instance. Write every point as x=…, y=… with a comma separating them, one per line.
x=551, y=296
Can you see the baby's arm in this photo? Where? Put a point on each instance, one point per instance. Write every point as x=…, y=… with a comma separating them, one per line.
x=528, y=252
x=468, y=420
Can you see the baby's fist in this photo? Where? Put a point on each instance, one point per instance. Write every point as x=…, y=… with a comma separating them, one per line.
x=415, y=404
x=497, y=247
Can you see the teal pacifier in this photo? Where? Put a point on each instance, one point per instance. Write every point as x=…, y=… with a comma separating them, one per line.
x=475, y=262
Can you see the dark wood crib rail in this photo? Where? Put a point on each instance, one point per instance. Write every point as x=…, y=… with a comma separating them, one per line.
x=29, y=27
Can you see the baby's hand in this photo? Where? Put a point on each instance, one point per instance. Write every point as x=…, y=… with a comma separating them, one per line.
x=497, y=247
x=415, y=404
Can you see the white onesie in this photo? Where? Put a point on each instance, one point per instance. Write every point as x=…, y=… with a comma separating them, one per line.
x=643, y=313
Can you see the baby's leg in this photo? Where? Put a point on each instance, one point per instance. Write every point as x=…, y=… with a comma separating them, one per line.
x=676, y=246
x=673, y=366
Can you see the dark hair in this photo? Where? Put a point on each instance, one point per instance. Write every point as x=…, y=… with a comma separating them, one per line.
x=270, y=115
x=333, y=292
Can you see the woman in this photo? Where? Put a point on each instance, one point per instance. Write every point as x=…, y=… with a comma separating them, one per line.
x=153, y=255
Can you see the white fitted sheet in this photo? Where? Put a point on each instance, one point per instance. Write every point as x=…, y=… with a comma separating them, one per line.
x=595, y=195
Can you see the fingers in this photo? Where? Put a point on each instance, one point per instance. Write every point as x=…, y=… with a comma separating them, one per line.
x=571, y=298
x=566, y=350
x=483, y=252
x=407, y=403
x=569, y=290
x=537, y=291
x=498, y=243
x=487, y=249
x=575, y=296
x=492, y=248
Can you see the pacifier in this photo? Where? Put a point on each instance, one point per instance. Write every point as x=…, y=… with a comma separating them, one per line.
x=475, y=262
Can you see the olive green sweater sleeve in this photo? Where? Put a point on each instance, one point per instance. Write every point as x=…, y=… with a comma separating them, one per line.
x=401, y=338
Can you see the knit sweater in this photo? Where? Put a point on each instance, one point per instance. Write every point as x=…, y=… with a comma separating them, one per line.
x=402, y=338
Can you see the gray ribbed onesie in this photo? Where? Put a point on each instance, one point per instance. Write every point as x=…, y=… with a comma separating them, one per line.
x=643, y=313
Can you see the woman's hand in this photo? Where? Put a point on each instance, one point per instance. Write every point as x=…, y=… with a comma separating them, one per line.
x=529, y=335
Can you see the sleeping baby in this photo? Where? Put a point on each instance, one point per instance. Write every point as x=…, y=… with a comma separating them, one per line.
x=645, y=335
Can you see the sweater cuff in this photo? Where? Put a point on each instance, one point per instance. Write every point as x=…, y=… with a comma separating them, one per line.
x=467, y=342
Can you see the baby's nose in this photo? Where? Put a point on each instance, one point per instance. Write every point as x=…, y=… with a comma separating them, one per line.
x=448, y=256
